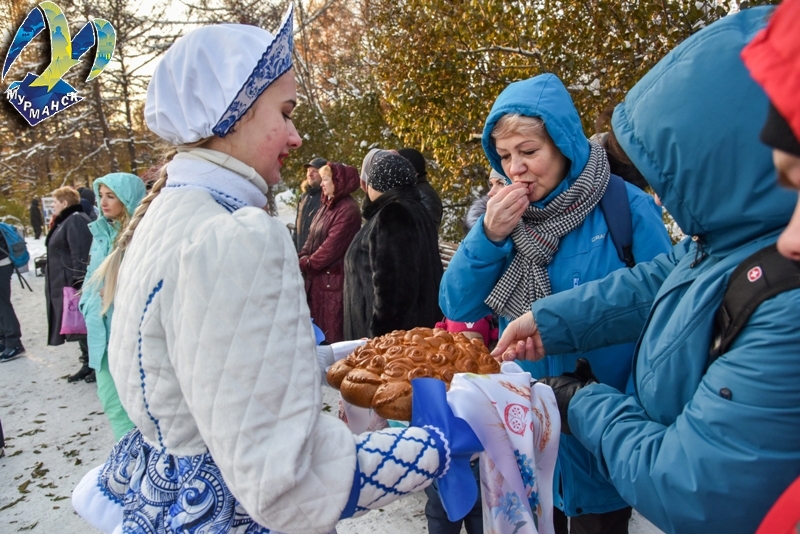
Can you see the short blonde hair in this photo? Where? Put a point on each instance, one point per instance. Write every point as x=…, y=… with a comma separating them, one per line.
x=514, y=123
x=326, y=172
x=67, y=194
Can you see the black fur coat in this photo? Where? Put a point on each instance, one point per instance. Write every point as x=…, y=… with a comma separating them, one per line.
x=392, y=268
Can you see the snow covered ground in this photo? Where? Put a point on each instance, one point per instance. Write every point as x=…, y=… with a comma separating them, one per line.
x=56, y=431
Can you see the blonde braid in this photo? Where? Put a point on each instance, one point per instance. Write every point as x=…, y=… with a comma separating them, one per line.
x=106, y=275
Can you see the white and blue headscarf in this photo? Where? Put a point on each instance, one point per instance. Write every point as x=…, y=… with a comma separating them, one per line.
x=211, y=76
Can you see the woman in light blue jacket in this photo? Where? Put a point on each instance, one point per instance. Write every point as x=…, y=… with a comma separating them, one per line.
x=704, y=445
x=118, y=194
x=544, y=234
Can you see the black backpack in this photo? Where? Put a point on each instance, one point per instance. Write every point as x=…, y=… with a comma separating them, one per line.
x=759, y=277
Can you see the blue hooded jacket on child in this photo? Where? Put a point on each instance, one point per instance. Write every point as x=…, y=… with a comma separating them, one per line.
x=587, y=253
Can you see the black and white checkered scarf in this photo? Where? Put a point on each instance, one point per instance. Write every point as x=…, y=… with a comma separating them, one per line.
x=538, y=233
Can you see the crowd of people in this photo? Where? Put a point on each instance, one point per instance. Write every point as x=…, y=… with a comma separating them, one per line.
x=365, y=280
x=674, y=366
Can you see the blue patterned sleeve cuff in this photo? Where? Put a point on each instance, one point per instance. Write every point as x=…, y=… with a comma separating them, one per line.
x=395, y=462
x=443, y=446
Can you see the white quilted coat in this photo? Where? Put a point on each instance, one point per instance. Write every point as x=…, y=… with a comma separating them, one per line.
x=212, y=349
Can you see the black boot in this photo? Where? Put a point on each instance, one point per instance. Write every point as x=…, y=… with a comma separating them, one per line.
x=82, y=374
x=85, y=371
x=91, y=377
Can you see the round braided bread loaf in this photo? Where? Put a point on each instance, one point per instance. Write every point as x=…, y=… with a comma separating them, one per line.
x=378, y=375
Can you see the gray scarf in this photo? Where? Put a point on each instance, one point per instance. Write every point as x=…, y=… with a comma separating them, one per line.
x=538, y=233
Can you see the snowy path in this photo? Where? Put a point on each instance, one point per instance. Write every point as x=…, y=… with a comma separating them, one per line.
x=56, y=431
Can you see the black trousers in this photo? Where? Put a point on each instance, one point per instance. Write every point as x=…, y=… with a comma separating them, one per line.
x=84, y=346
x=615, y=522
x=2, y=438
x=437, y=517
x=9, y=324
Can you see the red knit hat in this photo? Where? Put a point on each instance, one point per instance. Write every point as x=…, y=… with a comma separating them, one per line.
x=773, y=58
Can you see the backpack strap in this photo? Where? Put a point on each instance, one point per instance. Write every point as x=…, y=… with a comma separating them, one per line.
x=759, y=277
x=617, y=211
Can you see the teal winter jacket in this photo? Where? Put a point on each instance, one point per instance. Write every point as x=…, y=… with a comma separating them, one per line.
x=130, y=190
x=587, y=253
x=694, y=450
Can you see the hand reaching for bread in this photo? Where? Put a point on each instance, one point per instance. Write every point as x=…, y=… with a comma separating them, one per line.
x=521, y=340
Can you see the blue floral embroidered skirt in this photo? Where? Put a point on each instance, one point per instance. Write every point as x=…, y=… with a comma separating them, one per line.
x=142, y=489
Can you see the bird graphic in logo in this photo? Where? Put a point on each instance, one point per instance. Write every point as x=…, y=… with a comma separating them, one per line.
x=39, y=97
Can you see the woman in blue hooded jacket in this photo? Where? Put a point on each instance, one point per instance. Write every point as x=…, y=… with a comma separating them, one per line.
x=704, y=445
x=544, y=234
x=118, y=194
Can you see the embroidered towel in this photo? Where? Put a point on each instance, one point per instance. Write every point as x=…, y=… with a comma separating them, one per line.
x=518, y=423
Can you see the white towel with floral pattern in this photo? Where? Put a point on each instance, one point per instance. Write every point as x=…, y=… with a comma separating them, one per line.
x=517, y=421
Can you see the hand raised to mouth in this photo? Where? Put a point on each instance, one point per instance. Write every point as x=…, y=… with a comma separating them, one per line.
x=504, y=210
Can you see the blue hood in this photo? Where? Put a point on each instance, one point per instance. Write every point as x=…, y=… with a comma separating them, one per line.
x=129, y=188
x=691, y=127
x=542, y=96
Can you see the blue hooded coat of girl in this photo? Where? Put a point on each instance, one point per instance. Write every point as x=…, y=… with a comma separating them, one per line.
x=587, y=253
x=695, y=450
x=130, y=190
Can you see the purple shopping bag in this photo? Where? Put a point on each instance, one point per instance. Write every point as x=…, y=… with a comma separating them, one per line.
x=71, y=317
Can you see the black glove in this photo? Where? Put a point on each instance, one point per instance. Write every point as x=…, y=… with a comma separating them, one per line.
x=566, y=385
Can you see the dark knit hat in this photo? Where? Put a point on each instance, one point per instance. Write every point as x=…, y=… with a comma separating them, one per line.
x=87, y=194
x=317, y=163
x=777, y=133
x=416, y=158
x=391, y=171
